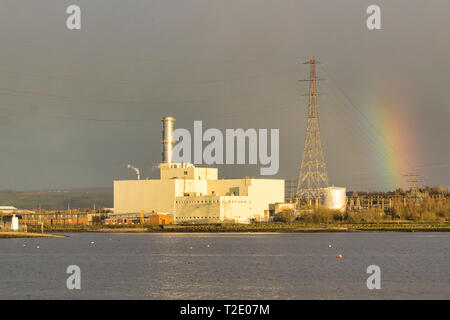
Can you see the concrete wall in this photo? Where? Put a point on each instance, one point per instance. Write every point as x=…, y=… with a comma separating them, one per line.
x=188, y=173
x=263, y=192
x=132, y=196
x=212, y=209
x=204, y=209
x=236, y=209
x=226, y=187
x=191, y=187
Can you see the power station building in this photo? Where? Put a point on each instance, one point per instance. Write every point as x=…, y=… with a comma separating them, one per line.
x=197, y=195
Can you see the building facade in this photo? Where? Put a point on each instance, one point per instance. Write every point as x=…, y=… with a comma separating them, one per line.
x=196, y=195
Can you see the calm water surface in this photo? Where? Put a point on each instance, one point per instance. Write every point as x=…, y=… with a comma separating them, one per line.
x=235, y=266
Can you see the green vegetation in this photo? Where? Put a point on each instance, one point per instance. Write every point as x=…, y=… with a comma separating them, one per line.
x=425, y=210
x=287, y=216
x=302, y=227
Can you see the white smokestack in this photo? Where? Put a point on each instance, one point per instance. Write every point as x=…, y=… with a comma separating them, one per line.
x=135, y=170
x=167, y=139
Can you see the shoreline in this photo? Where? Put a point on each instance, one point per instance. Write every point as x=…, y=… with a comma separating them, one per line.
x=255, y=228
x=18, y=235
x=59, y=233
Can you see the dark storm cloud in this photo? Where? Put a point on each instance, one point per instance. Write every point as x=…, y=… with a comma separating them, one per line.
x=77, y=106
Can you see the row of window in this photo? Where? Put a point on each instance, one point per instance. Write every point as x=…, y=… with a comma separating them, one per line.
x=210, y=201
x=59, y=215
x=198, y=201
x=190, y=218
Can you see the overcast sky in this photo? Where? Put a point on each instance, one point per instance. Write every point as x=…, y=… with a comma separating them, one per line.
x=77, y=106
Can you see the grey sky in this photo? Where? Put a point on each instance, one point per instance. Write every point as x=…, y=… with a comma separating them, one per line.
x=231, y=64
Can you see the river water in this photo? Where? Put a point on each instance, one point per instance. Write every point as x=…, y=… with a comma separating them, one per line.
x=234, y=266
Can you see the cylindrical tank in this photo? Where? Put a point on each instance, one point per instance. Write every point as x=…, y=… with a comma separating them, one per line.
x=334, y=198
x=15, y=223
x=167, y=139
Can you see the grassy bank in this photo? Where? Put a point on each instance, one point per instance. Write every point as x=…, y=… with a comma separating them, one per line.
x=259, y=227
x=10, y=235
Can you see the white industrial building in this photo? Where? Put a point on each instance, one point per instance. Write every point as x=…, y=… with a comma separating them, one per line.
x=196, y=195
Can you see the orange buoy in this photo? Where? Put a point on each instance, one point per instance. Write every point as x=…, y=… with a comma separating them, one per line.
x=339, y=256
x=208, y=245
x=190, y=248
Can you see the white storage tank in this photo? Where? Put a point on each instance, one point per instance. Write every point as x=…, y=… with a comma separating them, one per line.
x=15, y=223
x=334, y=198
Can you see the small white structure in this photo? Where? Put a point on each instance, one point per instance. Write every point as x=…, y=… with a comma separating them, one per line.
x=14, y=223
x=335, y=198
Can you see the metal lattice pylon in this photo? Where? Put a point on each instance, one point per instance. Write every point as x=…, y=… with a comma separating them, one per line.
x=313, y=171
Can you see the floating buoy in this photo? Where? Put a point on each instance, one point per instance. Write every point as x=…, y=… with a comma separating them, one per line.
x=190, y=248
x=92, y=242
x=24, y=245
x=207, y=245
x=339, y=256
x=329, y=246
x=37, y=247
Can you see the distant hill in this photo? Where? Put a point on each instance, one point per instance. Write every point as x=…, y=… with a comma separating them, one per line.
x=58, y=199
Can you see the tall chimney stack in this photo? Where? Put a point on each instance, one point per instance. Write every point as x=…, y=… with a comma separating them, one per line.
x=167, y=139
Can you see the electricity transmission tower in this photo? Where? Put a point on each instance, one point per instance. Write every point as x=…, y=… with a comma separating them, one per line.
x=291, y=185
x=313, y=171
x=414, y=179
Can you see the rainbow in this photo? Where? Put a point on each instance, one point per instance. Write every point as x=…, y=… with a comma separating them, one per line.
x=395, y=146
